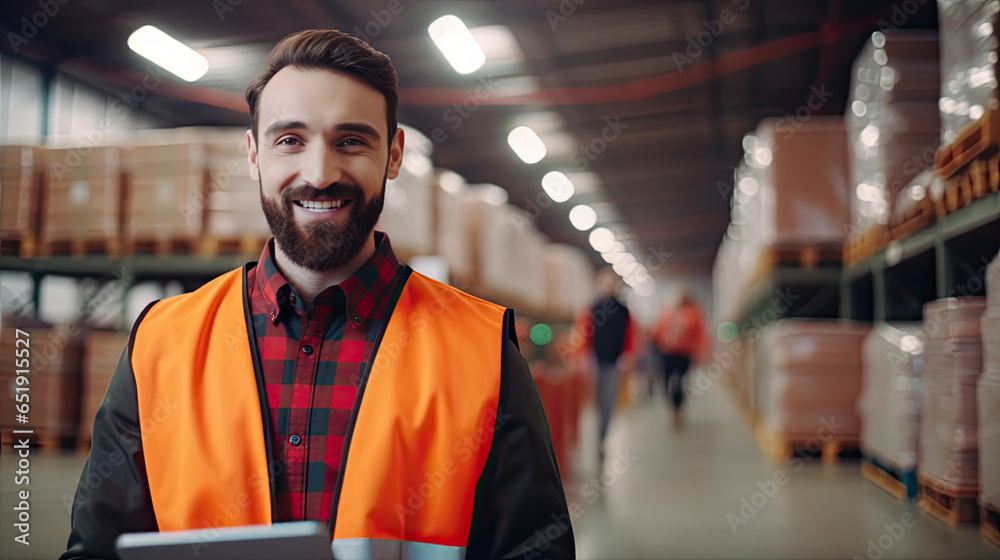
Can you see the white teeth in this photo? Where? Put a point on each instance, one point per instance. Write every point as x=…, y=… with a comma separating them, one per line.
x=318, y=205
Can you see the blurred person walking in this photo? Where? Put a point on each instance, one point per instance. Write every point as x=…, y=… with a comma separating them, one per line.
x=679, y=335
x=608, y=344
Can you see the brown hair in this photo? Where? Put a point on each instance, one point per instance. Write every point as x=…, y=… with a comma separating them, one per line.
x=328, y=49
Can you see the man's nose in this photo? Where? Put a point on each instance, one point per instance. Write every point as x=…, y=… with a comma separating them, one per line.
x=321, y=167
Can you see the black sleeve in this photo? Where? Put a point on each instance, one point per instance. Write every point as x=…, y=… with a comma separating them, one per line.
x=520, y=507
x=112, y=496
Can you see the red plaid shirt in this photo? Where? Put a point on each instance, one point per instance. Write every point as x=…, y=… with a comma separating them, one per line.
x=311, y=361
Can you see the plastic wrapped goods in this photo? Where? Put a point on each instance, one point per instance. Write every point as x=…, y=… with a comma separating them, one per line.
x=988, y=401
x=891, y=394
x=892, y=120
x=810, y=377
x=953, y=361
x=968, y=62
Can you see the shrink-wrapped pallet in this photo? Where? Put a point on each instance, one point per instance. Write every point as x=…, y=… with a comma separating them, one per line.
x=407, y=214
x=50, y=371
x=969, y=50
x=988, y=401
x=891, y=394
x=809, y=377
x=163, y=182
x=21, y=169
x=82, y=194
x=892, y=120
x=953, y=361
x=101, y=353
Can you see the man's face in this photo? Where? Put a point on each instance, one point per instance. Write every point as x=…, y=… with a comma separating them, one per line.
x=322, y=157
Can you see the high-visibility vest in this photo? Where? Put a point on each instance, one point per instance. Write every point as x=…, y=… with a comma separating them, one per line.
x=421, y=429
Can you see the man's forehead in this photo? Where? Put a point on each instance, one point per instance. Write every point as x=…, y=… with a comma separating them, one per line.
x=297, y=93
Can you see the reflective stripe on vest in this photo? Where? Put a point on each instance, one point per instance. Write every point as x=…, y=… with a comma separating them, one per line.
x=370, y=549
x=423, y=427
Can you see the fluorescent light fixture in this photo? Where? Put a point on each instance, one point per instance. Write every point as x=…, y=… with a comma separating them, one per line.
x=645, y=289
x=171, y=54
x=526, y=144
x=493, y=194
x=451, y=182
x=582, y=217
x=558, y=186
x=457, y=44
x=499, y=42
x=602, y=239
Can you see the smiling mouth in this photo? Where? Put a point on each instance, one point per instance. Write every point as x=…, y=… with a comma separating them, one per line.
x=321, y=205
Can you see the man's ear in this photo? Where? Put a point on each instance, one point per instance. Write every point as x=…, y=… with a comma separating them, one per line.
x=252, y=156
x=395, y=154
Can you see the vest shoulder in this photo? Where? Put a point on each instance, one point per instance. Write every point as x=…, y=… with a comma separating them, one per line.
x=434, y=286
x=210, y=292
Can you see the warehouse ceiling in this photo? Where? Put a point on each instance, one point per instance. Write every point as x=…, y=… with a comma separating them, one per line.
x=643, y=103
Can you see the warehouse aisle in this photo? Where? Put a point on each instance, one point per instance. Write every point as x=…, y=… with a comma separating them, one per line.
x=680, y=496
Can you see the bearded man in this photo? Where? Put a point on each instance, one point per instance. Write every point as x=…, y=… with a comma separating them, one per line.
x=326, y=381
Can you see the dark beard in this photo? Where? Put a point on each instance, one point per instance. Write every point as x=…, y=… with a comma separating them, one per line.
x=324, y=245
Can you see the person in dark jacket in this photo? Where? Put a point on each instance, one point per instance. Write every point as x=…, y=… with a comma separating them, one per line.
x=609, y=342
x=326, y=381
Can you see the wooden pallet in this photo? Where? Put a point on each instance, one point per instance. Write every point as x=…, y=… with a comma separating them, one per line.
x=778, y=448
x=901, y=485
x=160, y=247
x=989, y=525
x=860, y=247
x=980, y=178
x=974, y=139
x=917, y=217
x=81, y=247
x=948, y=503
x=24, y=246
x=211, y=246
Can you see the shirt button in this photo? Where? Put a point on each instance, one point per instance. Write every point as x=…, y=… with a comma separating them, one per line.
x=295, y=440
x=307, y=350
x=273, y=315
x=357, y=318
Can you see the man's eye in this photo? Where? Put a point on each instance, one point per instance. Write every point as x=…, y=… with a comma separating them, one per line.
x=288, y=141
x=353, y=142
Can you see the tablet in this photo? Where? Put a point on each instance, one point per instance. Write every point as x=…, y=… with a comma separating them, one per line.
x=305, y=540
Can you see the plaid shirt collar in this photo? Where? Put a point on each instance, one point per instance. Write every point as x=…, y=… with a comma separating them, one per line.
x=362, y=289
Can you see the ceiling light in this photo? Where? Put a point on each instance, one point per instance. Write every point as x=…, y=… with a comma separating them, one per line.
x=526, y=144
x=602, y=239
x=558, y=186
x=457, y=44
x=493, y=194
x=499, y=42
x=171, y=54
x=582, y=217
x=451, y=182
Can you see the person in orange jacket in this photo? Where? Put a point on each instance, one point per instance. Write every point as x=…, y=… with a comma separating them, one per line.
x=680, y=336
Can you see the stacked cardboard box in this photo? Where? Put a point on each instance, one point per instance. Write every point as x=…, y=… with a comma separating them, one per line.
x=809, y=377
x=969, y=49
x=988, y=394
x=82, y=195
x=409, y=198
x=53, y=375
x=21, y=169
x=891, y=394
x=163, y=181
x=102, y=351
x=569, y=279
x=953, y=361
x=892, y=120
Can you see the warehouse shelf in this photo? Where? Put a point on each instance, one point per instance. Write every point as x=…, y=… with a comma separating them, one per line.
x=945, y=259
x=146, y=267
x=794, y=292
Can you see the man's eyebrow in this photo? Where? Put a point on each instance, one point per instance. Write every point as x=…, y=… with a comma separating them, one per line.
x=282, y=126
x=360, y=128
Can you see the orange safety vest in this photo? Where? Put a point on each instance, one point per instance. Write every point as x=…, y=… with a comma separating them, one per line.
x=406, y=486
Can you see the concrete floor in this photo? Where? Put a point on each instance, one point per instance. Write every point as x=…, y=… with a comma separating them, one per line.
x=661, y=495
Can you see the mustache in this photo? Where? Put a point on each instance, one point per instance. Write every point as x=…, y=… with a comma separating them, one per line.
x=334, y=190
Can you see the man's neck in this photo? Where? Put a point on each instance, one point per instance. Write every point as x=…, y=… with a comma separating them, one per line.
x=309, y=283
